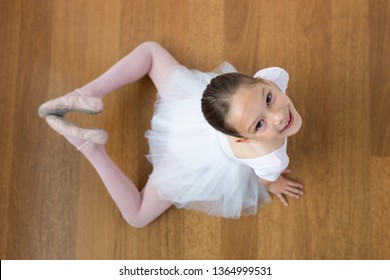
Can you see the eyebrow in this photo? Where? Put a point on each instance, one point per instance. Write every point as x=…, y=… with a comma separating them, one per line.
x=256, y=121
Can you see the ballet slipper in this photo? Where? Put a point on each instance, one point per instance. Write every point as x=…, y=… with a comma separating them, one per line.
x=64, y=104
x=65, y=128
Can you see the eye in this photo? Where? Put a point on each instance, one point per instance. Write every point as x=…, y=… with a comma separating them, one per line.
x=259, y=125
x=268, y=99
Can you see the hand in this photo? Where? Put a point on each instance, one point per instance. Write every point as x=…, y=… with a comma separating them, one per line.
x=283, y=186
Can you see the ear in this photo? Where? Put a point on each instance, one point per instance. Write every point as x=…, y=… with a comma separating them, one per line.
x=243, y=140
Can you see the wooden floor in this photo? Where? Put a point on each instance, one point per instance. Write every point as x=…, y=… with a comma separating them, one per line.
x=54, y=206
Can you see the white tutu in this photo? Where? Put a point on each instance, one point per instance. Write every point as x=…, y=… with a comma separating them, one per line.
x=190, y=168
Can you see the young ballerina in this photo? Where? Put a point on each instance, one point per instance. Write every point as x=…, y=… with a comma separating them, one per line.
x=217, y=140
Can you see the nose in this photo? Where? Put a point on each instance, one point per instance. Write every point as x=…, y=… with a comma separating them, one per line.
x=278, y=119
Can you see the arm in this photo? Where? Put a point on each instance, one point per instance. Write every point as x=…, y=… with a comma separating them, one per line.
x=283, y=186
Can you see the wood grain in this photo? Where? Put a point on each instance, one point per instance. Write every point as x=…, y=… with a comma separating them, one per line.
x=54, y=206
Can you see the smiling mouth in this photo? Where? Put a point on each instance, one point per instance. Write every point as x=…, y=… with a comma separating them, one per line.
x=290, y=121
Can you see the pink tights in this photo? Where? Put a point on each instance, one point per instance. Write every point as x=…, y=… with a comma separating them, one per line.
x=138, y=209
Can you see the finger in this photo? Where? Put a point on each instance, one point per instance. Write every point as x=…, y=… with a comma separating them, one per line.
x=292, y=194
x=294, y=184
x=294, y=190
x=282, y=199
x=287, y=170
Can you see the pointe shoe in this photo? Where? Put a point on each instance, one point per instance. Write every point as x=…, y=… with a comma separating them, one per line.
x=90, y=135
x=64, y=104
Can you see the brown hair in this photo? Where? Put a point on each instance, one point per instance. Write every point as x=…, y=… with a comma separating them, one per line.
x=217, y=97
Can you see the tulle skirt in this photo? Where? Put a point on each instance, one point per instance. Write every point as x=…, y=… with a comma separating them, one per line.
x=190, y=169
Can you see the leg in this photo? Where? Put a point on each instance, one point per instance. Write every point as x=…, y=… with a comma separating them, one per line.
x=137, y=209
x=148, y=58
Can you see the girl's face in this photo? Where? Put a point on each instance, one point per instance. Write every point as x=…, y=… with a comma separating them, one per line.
x=261, y=112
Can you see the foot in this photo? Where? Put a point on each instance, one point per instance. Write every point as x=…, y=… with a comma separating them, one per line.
x=74, y=101
x=77, y=136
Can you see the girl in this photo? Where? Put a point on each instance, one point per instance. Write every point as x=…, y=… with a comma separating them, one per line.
x=217, y=141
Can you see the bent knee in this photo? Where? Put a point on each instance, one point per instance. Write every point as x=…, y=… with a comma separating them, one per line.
x=152, y=45
x=136, y=223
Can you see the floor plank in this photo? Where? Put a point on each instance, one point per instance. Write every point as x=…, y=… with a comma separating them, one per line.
x=379, y=215
x=379, y=17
